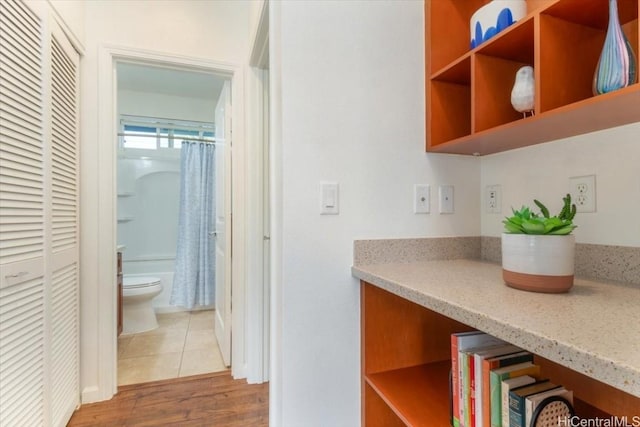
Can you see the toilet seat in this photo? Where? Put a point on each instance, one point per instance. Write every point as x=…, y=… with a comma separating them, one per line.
x=133, y=282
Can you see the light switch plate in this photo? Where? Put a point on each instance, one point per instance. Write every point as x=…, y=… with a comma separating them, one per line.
x=329, y=198
x=446, y=199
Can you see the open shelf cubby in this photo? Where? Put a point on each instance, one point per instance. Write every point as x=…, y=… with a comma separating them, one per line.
x=468, y=91
x=406, y=358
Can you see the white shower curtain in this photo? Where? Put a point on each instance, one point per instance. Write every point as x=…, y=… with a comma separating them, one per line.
x=194, y=278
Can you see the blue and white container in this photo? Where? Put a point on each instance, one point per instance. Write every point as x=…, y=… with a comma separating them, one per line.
x=494, y=17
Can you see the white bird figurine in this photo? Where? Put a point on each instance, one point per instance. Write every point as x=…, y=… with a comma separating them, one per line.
x=523, y=91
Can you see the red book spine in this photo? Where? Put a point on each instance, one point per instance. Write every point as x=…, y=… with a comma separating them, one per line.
x=472, y=391
x=455, y=381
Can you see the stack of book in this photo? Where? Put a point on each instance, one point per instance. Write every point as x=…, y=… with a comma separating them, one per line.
x=494, y=383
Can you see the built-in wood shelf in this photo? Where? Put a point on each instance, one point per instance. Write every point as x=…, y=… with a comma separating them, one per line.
x=468, y=91
x=406, y=363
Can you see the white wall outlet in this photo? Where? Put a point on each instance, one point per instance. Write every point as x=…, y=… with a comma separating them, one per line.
x=583, y=192
x=493, y=199
x=446, y=199
x=421, y=198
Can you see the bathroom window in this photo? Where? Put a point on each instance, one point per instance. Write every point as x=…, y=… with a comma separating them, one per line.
x=139, y=137
x=149, y=133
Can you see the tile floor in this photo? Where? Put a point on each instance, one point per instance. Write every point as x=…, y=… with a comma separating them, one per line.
x=184, y=344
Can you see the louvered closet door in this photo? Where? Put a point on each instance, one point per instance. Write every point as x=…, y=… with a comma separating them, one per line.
x=64, y=360
x=22, y=292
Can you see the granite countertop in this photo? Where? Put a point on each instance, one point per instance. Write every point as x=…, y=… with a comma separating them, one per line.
x=594, y=329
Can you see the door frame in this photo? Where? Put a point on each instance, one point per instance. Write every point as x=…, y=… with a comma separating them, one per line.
x=258, y=281
x=104, y=354
x=223, y=188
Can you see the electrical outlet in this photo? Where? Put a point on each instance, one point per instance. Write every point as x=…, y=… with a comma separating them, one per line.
x=583, y=192
x=493, y=198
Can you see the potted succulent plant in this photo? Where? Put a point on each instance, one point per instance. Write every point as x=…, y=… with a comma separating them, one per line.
x=538, y=249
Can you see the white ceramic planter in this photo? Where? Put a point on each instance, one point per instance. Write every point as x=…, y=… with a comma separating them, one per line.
x=494, y=17
x=538, y=263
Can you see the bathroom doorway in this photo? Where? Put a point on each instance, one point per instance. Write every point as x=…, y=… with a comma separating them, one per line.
x=162, y=114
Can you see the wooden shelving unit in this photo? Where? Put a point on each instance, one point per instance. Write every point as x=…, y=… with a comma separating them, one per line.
x=468, y=92
x=406, y=362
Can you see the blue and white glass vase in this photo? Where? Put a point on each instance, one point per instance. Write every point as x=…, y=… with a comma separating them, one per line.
x=617, y=65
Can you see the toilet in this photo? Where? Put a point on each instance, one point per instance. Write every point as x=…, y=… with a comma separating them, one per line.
x=138, y=314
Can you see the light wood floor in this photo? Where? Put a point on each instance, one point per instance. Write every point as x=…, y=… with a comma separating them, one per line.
x=204, y=400
x=184, y=344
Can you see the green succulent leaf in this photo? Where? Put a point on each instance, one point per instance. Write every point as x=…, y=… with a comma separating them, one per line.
x=543, y=208
x=526, y=221
x=567, y=229
x=533, y=227
x=512, y=228
x=515, y=220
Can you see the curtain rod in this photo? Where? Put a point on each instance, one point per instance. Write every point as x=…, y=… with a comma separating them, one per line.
x=205, y=141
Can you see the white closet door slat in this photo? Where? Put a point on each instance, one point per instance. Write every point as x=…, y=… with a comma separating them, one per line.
x=64, y=229
x=22, y=353
x=64, y=134
x=25, y=165
x=7, y=187
x=21, y=133
x=10, y=159
x=16, y=91
x=64, y=351
x=19, y=66
x=25, y=20
x=63, y=167
x=23, y=138
x=64, y=145
x=26, y=226
x=20, y=51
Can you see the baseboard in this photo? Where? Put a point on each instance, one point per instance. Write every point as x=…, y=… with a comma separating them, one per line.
x=93, y=394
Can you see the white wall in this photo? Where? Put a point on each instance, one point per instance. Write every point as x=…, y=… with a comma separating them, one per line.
x=543, y=172
x=201, y=30
x=72, y=14
x=350, y=76
x=148, y=213
x=165, y=106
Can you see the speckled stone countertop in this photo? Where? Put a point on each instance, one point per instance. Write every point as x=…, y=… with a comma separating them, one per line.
x=594, y=329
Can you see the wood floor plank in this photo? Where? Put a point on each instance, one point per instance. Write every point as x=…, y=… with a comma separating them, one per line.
x=202, y=400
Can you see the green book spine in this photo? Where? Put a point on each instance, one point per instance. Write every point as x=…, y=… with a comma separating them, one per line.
x=464, y=407
x=496, y=387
